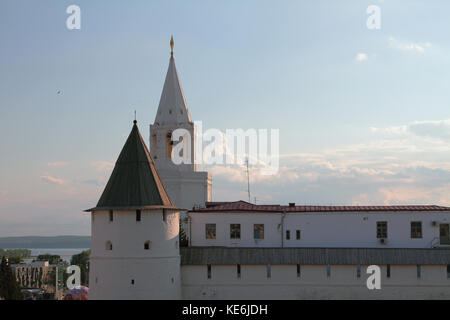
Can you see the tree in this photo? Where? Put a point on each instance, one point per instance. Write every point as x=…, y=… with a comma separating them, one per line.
x=23, y=253
x=14, y=260
x=9, y=288
x=184, y=242
x=82, y=260
x=51, y=258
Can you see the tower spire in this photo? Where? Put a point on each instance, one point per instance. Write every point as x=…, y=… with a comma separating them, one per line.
x=172, y=107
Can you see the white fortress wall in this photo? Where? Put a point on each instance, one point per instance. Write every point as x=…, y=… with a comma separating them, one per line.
x=313, y=282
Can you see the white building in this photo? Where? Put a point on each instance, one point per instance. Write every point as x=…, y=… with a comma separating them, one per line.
x=242, y=224
x=243, y=251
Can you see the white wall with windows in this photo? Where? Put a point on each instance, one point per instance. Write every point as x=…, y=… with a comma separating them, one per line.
x=267, y=236
x=409, y=229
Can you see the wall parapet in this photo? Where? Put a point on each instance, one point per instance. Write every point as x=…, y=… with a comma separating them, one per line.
x=314, y=256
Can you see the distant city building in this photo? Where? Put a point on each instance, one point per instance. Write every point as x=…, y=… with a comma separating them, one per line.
x=39, y=279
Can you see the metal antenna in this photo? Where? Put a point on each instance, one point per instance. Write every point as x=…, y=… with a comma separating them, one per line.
x=248, y=180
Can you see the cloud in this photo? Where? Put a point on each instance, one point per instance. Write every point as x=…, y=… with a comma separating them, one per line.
x=94, y=182
x=103, y=165
x=408, y=46
x=435, y=129
x=414, y=194
x=401, y=164
x=438, y=129
x=58, y=164
x=54, y=180
x=238, y=174
x=361, y=57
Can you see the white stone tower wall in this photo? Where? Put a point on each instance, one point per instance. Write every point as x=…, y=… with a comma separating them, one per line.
x=156, y=271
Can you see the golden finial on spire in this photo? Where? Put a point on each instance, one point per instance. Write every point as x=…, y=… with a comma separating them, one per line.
x=171, y=46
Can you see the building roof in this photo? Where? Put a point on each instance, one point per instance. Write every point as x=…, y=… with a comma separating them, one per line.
x=239, y=206
x=313, y=256
x=134, y=182
x=172, y=107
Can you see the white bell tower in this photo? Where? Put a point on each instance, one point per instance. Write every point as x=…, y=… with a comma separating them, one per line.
x=186, y=186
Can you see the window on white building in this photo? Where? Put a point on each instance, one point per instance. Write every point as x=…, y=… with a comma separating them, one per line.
x=419, y=271
x=108, y=245
x=328, y=271
x=448, y=271
x=288, y=235
x=381, y=229
x=235, y=231
x=297, y=234
x=147, y=245
x=111, y=215
x=209, y=271
x=258, y=231
x=238, y=267
x=169, y=145
x=138, y=215
x=388, y=270
x=298, y=271
x=155, y=146
x=358, y=271
x=416, y=229
x=269, y=271
x=444, y=233
x=210, y=230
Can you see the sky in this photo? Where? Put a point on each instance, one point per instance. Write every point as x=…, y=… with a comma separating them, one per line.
x=363, y=114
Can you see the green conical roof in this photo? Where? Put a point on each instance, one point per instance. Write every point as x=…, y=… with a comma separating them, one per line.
x=134, y=182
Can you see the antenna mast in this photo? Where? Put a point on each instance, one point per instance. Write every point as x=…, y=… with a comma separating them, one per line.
x=248, y=180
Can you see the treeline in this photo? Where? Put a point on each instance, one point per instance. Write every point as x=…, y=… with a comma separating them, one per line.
x=15, y=256
x=9, y=288
x=23, y=253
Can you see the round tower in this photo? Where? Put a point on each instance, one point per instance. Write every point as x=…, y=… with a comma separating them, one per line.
x=135, y=227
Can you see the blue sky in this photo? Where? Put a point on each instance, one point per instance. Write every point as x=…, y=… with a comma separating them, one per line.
x=363, y=114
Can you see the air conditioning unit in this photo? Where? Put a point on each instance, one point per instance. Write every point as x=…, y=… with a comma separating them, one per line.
x=383, y=240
